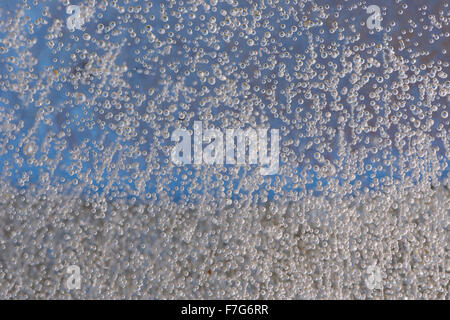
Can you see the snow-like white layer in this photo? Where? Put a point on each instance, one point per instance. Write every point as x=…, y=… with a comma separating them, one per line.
x=314, y=249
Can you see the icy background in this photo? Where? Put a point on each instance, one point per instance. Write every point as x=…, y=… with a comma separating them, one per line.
x=85, y=171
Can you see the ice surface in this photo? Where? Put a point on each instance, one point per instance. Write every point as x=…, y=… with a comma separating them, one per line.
x=89, y=98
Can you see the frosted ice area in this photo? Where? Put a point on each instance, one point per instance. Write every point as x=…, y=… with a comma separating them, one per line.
x=89, y=98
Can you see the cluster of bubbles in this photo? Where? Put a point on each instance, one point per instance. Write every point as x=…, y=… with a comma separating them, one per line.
x=86, y=118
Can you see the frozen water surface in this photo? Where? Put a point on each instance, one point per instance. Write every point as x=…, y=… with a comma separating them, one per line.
x=90, y=96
